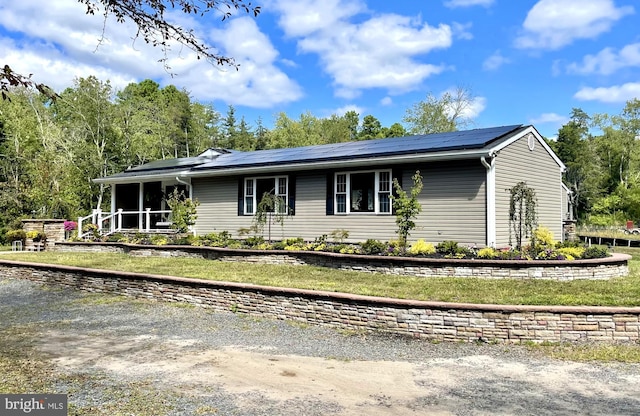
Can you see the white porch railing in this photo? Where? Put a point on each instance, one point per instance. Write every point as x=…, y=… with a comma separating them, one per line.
x=112, y=222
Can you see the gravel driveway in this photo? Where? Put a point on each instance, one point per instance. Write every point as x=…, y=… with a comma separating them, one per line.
x=196, y=362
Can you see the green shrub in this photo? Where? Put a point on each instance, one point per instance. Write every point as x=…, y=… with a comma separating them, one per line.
x=294, y=244
x=447, y=248
x=543, y=236
x=568, y=243
x=185, y=240
x=15, y=235
x=221, y=239
x=573, y=252
x=254, y=241
x=421, y=247
x=339, y=235
x=487, y=253
x=594, y=252
x=159, y=240
x=373, y=247
x=140, y=238
x=117, y=238
x=279, y=245
x=36, y=235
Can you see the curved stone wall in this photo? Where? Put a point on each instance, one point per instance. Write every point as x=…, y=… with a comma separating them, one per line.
x=593, y=269
x=427, y=320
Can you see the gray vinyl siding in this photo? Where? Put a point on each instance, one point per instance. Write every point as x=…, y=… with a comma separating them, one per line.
x=453, y=200
x=538, y=169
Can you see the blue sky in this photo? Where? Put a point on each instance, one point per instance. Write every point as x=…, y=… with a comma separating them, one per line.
x=526, y=61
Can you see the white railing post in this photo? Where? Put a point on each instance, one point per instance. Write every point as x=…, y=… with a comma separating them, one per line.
x=99, y=215
x=148, y=218
x=119, y=219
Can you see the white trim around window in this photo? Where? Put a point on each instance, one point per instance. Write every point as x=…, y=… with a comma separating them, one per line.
x=256, y=186
x=363, y=192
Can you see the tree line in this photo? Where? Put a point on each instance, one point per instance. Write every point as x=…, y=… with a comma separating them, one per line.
x=53, y=149
x=602, y=156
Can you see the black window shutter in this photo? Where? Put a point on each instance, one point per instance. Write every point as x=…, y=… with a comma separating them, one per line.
x=396, y=173
x=241, y=196
x=330, y=195
x=292, y=195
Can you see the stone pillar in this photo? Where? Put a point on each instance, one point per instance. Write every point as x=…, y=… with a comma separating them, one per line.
x=52, y=228
x=569, y=230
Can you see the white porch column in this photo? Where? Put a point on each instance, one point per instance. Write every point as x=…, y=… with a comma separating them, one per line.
x=140, y=206
x=491, y=200
x=113, y=198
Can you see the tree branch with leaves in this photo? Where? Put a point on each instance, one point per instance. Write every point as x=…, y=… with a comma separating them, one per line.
x=150, y=18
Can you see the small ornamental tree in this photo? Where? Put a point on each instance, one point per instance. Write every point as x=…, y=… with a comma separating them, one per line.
x=183, y=211
x=522, y=213
x=272, y=208
x=406, y=208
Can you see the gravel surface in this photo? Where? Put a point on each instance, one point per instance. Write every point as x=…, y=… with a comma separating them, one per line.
x=199, y=362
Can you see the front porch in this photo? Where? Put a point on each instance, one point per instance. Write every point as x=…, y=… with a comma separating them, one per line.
x=106, y=223
x=135, y=207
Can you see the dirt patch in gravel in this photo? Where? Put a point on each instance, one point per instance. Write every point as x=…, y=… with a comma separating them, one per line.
x=488, y=384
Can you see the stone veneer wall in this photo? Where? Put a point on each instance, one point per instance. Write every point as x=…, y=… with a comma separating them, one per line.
x=592, y=269
x=428, y=320
x=53, y=229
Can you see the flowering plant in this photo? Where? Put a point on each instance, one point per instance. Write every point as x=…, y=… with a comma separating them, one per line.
x=70, y=225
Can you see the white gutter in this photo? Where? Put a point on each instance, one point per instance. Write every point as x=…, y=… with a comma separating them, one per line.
x=341, y=164
x=149, y=177
x=491, y=199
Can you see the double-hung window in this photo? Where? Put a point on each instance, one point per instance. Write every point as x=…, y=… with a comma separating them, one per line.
x=363, y=192
x=255, y=188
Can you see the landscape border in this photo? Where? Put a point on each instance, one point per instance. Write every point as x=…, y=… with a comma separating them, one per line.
x=561, y=270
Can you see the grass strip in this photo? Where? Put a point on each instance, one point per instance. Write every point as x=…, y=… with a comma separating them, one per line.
x=624, y=291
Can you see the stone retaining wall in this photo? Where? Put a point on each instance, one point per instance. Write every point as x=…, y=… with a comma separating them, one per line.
x=428, y=320
x=592, y=269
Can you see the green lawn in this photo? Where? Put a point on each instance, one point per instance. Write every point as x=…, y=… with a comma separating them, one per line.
x=623, y=291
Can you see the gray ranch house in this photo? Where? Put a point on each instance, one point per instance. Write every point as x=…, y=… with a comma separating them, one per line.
x=467, y=177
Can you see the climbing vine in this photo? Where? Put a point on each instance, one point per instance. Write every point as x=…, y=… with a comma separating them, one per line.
x=522, y=213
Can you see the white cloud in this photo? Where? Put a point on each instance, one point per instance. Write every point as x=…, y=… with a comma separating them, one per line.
x=495, y=61
x=472, y=110
x=461, y=31
x=468, y=3
x=477, y=106
x=613, y=94
x=386, y=101
x=383, y=51
x=607, y=61
x=552, y=24
x=351, y=107
x=301, y=18
x=59, y=43
x=549, y=118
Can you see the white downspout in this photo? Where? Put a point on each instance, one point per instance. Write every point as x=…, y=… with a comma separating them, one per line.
x=188, y=183
x=188, y=186
x=491, y=199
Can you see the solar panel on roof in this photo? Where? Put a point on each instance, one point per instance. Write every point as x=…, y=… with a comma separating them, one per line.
x=470, y=139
